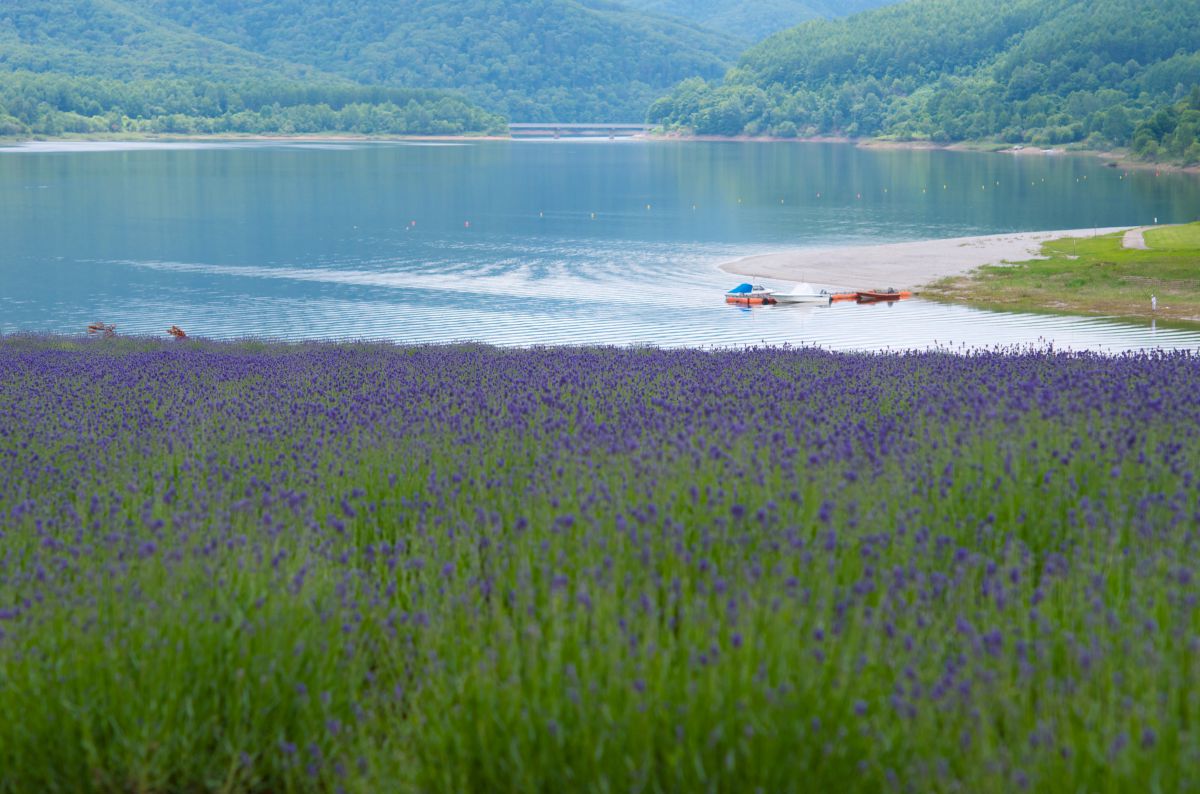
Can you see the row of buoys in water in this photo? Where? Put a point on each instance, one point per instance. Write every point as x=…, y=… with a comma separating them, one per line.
x=819, y=194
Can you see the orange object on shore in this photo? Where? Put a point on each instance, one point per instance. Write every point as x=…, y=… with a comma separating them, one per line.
x=108, y=329
x=176, y=332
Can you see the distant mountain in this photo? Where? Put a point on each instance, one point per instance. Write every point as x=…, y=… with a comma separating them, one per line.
x=1045, y=71
x=103, y=66
x=754, y=19
x=113, y=39
x=537, y=60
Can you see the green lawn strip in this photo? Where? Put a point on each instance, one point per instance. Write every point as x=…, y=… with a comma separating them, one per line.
x=1175, y=238
x=1093, y=276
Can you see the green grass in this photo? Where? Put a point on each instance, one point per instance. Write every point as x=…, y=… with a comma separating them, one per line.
x=1184, y=239
x=1094, y=276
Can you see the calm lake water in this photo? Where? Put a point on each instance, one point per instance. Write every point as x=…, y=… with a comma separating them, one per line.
x=526, y=242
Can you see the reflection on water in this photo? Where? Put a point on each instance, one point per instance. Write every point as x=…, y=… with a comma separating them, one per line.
x=525, y=243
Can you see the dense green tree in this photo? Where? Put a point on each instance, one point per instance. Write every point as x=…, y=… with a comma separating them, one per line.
x=536, y=60
x=754, y=19
x=1172, y=133
x=561, y=60
x=1040, y=71
x=53, y=104
x=105, y=66
x=112, y=39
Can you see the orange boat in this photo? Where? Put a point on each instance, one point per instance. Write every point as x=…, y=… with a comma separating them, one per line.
x=889, y=294
x=843, y=296
x=750, y=300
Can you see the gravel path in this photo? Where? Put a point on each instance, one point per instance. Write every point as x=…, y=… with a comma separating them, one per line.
x=1134, y=238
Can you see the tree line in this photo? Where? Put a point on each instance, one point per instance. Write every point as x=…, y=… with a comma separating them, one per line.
x=55, y=104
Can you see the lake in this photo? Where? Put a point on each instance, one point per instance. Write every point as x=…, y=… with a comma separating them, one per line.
x=527, y=242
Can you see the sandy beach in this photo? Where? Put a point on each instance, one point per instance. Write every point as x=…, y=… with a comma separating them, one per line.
x=901, y=265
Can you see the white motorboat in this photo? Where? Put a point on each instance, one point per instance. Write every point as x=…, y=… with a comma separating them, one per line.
x=804, y=293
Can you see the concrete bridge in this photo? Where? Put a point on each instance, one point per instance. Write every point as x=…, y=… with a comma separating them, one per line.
x=550, y=129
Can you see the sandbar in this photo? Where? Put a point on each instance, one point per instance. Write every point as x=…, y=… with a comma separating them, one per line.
x=902, y=265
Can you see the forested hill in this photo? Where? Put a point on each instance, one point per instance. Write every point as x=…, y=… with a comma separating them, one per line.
x=112, y=39
x=528, y=60
x=102, y=66
x=1042, y=71
x=754, y=19
x=531, y=60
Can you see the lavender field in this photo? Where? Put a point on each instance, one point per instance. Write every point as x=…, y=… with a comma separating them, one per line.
x=266, y=567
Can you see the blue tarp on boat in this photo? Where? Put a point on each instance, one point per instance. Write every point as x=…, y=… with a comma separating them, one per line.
x=741, y=289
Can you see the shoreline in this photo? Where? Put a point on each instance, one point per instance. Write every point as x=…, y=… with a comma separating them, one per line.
x=908, y=265
x=307, y=137
x=1130, y=277
x=1115, y=158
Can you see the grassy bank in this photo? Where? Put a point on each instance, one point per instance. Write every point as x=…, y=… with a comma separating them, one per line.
x=1094, y=276
x=260, y=567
